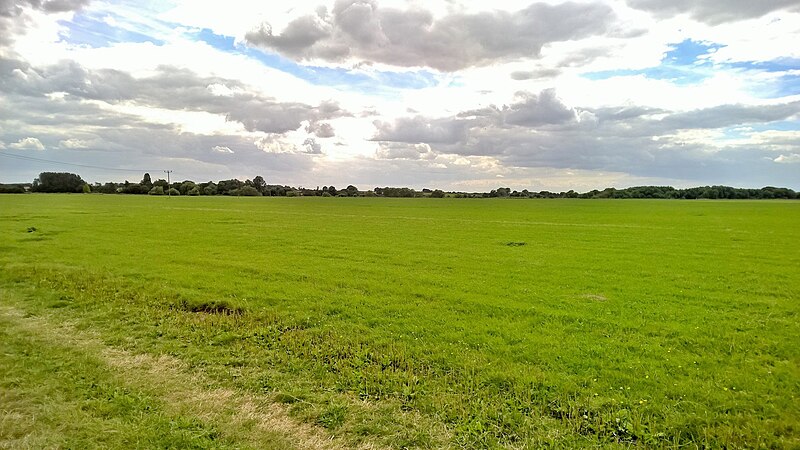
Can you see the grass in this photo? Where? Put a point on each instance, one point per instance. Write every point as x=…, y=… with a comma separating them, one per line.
x=410, y=323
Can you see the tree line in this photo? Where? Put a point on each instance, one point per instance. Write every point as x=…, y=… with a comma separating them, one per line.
x=70, y=182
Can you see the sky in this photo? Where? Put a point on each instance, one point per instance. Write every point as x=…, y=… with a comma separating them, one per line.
x=455, y=95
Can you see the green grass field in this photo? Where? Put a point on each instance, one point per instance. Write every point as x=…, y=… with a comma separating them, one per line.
x=147, y=322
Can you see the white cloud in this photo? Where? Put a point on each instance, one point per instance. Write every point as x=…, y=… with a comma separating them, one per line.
x=221, y=149
x=792, y=158
x=74, y=143
x=28, y=143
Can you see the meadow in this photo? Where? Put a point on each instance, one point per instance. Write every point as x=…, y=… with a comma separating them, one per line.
x=153, y=322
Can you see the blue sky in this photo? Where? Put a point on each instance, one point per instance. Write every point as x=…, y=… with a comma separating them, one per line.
x=418, y=93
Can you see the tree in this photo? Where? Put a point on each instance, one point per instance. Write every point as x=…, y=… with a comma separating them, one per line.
x=157, y=190
x=58, y=182
x=86, y=188
x=332, y=190
x=352, y=191
x=11, y=189
x=437, y=193
x=186, y=186
x=228, y=187
x=146, y=182
x=259, y=183
x=248, y=191
x=210, y=189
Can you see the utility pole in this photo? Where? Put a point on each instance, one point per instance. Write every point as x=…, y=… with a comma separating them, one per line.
x=169, y=186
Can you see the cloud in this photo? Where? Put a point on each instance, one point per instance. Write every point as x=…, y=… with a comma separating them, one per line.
x=792, y=158
x=312, y=147
x=729, y=115
x=28, y=143
x=521, y=75
x=221, y=149
x=401, y=150
x=713, y=11
x=170, y=88
x=542, y=109
x=274, y=144
x=321, y=130
x=73, y=143
x=361, y=30
x=539, y=130
x=9, y=8
x=420, y=129
x=14, y=19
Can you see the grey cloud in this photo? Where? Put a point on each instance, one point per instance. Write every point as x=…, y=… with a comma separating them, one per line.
x=521, y=75
x=538, y=130
x=420, y=129
x=731, y=115
x=321, y=130
x=84, y=133
x=170, y=88
x=542, y=109
x=363, y=30
x=14, y=8
x=14, y=21
x=713, y=11
x=299, y=35
x=531, y=110
x=192, y=156
x=402, y=150
x=625, y=112
x=312, y=147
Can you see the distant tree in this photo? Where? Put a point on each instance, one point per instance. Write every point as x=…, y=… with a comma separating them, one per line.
x=210, y=189
x=146, y=182
x=228, y=187
x=186, y=186
x=326, y=194
x=11, y=189
x=173, y=191
x=86, y=188
x=332, y=190
x=134, y=188
x=248, y=191
x=58, y=182
x=163, y=183
x=437, y=193
x=107, y=188
x=193, y=191
x=352, y=191
x=157, y=190
x=259, y=183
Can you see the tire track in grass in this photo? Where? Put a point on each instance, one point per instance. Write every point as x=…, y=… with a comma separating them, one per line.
x=246, y=418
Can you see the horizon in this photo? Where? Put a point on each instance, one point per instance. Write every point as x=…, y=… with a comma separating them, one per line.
x=458, y=96
x=298, y=187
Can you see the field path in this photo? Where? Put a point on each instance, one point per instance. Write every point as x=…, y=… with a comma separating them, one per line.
x=252, y=420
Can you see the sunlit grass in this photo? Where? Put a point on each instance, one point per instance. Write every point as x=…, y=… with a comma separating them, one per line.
x=430, y=323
